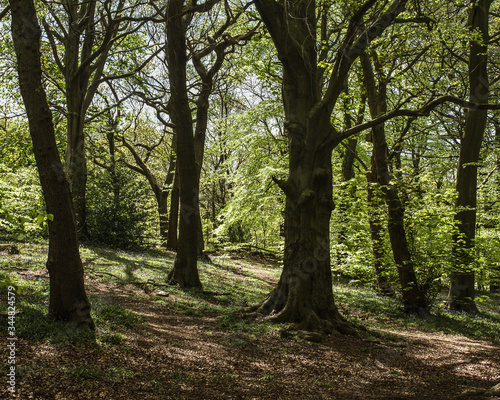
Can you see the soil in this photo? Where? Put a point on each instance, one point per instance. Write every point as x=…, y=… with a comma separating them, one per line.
x=177, y=356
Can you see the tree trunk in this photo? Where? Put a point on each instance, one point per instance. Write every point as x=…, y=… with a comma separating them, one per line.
x=413, y=297
x=494, y=273
x=68, y=300
x=185, y=270
x=162, y=203
x=77, y=82
x=112, y=170
x=304, y=293
x=76, y=162
x=461, y=294
x=376, y=231
x=173, y=219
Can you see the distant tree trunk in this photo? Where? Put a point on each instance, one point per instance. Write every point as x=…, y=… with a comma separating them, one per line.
x=413, y=298
x=160, y=191
x=199, y=143
x=343, y=206
x=376, y=231
x=461, y=294
x=68, y=300
x=495, y=269
x=173, y=219
x=347, y=175
x=76, y=165
x=185, y=270
x=112, y=170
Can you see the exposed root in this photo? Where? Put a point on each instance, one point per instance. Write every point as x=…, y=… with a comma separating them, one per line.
x=305, y=320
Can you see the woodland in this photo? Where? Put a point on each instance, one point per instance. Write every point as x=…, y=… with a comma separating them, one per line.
x=250, y=199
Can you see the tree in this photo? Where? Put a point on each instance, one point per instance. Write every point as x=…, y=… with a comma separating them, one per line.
x=185, y=271
x=68, y=300
x=304, y=293
x=413, y=296
x=461, y=294
x=82, y=36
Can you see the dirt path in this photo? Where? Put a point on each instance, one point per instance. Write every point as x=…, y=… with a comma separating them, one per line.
x=177, y=356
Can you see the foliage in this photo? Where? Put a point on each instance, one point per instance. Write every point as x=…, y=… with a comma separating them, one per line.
x=119, y=209
x=22, y=209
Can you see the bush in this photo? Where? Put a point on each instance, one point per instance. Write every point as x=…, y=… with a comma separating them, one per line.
x=118, y=212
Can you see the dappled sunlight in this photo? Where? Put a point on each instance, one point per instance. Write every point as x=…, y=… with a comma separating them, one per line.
x=162, y=342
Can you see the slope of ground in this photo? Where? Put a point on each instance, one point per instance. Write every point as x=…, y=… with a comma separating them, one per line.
x=156, y=342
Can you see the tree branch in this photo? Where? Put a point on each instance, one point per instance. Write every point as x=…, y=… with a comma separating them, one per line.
x=4, y=12
x=421, y=112
x=351, y=49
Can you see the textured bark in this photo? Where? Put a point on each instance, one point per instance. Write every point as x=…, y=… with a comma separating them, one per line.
x=461, y=295
x=185, y=271
x=173, y=219
x=68, y=300
x=304, y=293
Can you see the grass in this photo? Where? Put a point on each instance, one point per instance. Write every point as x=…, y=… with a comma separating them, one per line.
x=374, y=311
x=230, y=283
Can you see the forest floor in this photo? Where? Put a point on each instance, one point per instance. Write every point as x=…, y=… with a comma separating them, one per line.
x=157, y=342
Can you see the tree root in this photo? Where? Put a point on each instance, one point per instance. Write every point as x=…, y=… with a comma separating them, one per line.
x=305, y=320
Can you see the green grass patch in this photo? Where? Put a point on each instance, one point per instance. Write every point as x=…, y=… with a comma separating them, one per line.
x=230, y=283
x=108, y=313
x=386, y=312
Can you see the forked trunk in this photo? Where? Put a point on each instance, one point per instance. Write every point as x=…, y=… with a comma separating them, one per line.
x=185, y=270
x=304, y=294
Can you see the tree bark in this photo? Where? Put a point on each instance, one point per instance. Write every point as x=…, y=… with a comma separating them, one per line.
x=68, y=300
x=173, y=219
x=185, y=270
x=376, y=231
x=304, y=293
x=461, y=294
x=413, y=297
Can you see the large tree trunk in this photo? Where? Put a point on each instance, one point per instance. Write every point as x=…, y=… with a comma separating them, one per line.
x=461, y=294
x=68, y=300
x=304, y=293
x=413, y=297
x=185, y=270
